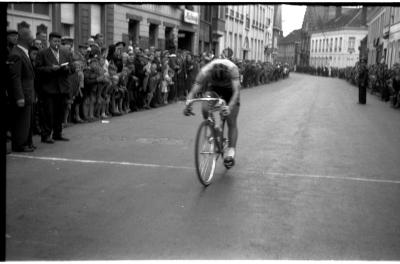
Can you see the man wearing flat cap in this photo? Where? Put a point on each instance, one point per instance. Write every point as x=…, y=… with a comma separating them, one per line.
x=54, y=65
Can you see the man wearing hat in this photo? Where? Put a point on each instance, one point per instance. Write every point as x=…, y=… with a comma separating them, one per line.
x=12, y=39
x=119, y=46
x=21, y=92
x=54, y=66
x=80, y=54
x=99, y=39
x=43, y=38
x=362, y=81
x=67, y=43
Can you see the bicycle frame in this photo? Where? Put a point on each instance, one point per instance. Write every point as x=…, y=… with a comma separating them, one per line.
x=211, y=109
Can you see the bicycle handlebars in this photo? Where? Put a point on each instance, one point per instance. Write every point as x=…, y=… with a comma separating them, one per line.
x=220, y=103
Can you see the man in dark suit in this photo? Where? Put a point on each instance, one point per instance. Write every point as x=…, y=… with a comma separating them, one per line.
x=21, y=92
x=362, y=81
x=54, y=65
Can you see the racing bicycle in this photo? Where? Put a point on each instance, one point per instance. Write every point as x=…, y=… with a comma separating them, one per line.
x=211, y=141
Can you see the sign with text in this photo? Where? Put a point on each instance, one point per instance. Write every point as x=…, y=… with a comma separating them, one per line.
x=191, y=17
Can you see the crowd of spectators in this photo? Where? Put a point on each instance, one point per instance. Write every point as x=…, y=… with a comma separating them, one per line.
x=380, y=80
x=92, y=82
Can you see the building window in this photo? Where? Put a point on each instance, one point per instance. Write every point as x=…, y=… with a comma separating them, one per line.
x=65, y=30
x=95, y=19
x=327, y=45
x=42, y=9
x=252, y=46
x=235, y=46
x=23, y=24
x=23, y=7
x=41, y=29
x=330, y=45
x=335, y=44
x=37, y=8
x=340, y=44
x=312, y=45
x=221, y=13
x=352, y=41
x=323, y=45
x=240, y=44
x=207, y=15
x=320, y=44
x=68, y=14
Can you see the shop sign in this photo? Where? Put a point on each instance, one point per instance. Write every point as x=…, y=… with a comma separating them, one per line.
x=191, y=17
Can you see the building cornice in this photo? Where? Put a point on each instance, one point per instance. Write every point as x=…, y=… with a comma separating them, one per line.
x=364, y=28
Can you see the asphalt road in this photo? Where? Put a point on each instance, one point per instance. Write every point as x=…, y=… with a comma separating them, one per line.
x=317, y=177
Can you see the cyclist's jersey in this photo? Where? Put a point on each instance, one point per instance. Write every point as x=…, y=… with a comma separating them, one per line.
x=224, y=88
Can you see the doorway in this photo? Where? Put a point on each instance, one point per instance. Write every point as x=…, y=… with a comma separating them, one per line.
x=153, y=35
x=185, y=39
x=133, y=31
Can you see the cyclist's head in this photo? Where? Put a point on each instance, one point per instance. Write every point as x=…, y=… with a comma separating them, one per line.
x=220, y=72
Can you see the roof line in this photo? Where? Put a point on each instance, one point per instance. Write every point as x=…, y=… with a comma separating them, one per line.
x=351, y=20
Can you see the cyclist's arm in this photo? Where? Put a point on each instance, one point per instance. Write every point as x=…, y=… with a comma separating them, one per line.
x=195, y=90
x=197, y=86
x=235, y=87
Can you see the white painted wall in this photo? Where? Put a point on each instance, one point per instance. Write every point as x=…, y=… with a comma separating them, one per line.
x=340, y=59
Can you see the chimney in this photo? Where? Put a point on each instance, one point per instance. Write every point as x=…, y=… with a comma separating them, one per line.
x=364, y=16
x=338, y=11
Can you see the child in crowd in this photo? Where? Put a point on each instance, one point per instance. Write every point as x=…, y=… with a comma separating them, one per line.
x=123, y=82
x=146, y=70
x=153, y=83
x=103, y=87
x=78, y=95
x=92, y=81
x=114, y=90
x=166, y=80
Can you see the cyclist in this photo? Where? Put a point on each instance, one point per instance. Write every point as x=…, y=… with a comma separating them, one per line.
x=222, y=77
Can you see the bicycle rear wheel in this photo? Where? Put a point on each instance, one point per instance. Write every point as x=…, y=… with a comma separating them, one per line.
x=205, y=153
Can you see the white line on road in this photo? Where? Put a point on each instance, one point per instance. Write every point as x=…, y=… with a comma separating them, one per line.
x=279, y=174
x=329, y=177
x=103, y=162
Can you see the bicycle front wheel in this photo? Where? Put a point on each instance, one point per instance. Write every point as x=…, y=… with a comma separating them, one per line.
x=205, y=153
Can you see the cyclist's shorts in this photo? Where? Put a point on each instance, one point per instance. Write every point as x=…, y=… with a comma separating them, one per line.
x=225, y=92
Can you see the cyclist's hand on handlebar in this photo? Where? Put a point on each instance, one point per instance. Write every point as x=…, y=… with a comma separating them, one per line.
x=225, y=110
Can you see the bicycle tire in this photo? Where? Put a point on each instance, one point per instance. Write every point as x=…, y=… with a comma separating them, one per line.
x=205, y=173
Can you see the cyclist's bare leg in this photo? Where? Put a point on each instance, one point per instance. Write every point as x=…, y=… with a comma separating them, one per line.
x=231, y=121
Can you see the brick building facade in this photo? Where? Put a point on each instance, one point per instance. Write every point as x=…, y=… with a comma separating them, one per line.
x=162, y=26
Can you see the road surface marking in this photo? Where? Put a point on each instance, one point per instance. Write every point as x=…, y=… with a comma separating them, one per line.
x=328, y=177
x=270, y=173
x=126, y=163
